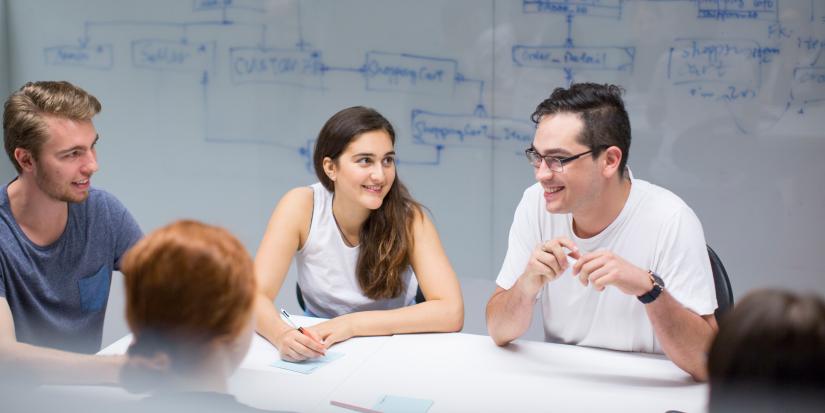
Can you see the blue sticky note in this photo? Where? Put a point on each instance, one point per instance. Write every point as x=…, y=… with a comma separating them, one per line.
x=308, y=366
x=400, y=404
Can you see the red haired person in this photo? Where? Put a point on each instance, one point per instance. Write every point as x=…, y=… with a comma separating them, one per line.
x=189, y=293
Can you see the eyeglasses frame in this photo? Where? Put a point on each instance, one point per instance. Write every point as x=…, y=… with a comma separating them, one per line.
x=531, y=152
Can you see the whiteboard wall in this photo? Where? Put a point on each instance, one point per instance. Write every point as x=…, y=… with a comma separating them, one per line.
x=210, y=107
x=6, y=170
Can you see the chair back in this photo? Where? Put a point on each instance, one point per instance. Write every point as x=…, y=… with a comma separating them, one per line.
x=300, y=296
x=724, y=292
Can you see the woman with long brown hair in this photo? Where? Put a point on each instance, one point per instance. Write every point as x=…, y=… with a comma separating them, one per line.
x=362, y=245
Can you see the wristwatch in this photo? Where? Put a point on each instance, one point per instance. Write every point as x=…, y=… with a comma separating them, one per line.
x=658, y=286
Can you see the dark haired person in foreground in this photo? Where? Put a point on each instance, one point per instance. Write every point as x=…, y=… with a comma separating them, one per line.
x=616, y=261
x=769, y=355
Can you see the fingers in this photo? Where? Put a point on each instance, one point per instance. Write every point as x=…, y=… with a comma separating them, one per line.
x=588, y=266
x=299, y=352
x=312, y=343
x=332, y=339
x=571, y=246
x=551, y=255
x=333, y=331
x=287, y=354
x=290, y=354
x=557, y=245
x=586, y=258
x=558, y=256
x=313, y=335
x=602, y=268
x=297, y=347
x=548, y=261
x=325, y=333
x=601, y=279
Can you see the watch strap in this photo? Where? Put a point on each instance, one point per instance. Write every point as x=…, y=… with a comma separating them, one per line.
x=653, y=294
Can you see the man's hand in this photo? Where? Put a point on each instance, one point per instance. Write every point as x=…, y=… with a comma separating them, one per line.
x=603, y=268
x=548, y=261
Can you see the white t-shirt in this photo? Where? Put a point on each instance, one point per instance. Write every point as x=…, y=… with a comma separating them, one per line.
x=655, y=230
x=326, y=268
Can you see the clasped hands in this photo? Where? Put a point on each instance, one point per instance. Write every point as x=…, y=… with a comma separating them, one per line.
x=600, y=268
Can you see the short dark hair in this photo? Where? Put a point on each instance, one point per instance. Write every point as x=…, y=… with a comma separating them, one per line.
x=769, y=354
x=602, y=111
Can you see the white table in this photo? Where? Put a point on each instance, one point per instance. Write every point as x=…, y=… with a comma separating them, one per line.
x=466, y=373
x=259, y=384
x=469, y=373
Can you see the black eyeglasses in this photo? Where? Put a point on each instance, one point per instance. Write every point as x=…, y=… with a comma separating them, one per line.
x=554, y=163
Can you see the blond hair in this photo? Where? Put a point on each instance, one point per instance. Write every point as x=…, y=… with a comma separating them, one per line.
x=24, y=125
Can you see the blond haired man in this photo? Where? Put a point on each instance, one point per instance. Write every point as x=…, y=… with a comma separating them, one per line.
x=61, y=239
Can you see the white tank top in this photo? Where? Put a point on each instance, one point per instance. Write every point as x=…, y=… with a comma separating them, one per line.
x=326, y=268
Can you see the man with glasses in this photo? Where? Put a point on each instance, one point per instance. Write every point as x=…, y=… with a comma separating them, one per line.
x=616, y=262
x=61, y=239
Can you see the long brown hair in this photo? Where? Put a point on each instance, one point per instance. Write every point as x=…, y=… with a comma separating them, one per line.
x=187, y=285
x=386, y=236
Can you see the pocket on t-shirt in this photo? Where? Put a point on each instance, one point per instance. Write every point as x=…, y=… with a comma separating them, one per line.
x=94, y=290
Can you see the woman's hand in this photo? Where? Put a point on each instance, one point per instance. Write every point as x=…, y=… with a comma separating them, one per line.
x=333, y=331
x=295, y=346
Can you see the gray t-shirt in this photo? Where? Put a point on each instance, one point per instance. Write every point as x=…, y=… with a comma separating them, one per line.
x=58, y=293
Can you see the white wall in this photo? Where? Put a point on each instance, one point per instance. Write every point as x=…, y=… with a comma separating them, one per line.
x=726, y=107
x=6, y=169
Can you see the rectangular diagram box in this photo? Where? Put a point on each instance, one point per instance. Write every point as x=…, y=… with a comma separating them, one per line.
x=808, y=84
x=198, y=5
x=172, y=55
x=587, y=58
x=736, y=62
x=285, y=66
x=596, y=8
x=409, y=73
x=738, y=9
x=205, y=5
x=452, y=130
x=92, y=56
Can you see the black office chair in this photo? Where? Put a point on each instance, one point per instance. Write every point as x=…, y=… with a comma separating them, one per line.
x=419, y=297
x=724, y=292
x=300, y=297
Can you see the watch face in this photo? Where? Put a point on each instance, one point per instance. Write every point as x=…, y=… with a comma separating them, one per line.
x=658, y=286
x=658, y=280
